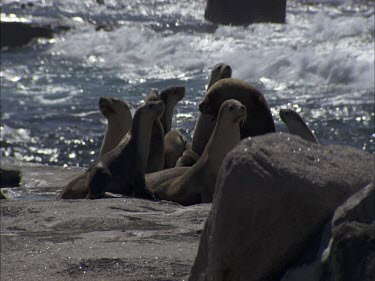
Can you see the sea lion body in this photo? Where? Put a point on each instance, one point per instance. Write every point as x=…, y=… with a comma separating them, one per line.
x=119, y=118
x=156, y=154
x=259, y=119
x=296, y=125
x=188, y=158
x=155, y=179
x=197, y=184
x=205, y=123
x=170, y=96
x=175, y=144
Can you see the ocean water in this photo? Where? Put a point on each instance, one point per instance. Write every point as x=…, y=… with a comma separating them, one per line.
x=321, y=63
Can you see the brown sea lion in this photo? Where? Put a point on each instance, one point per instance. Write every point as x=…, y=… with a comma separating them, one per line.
x=188, y=158
x=175, y=144
x=170, y=96
x=173, y=140
x=156, y=154
x=219, y=71
x=204, y=122
x=296, y=125
x=259, y=119
x=155, y=179
x=119, y=118
x=122, y=169
x=197, y=185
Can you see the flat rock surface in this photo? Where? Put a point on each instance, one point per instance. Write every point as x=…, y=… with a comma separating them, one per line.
x=107, y=239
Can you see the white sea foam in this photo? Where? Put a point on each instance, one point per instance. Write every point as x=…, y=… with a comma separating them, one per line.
x=324, y=50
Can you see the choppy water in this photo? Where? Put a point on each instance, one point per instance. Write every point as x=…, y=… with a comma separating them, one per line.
x=321, y=63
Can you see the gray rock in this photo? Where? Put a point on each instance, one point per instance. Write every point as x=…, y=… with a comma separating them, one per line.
x=315, y=261
x=360, y=207
x=352, y=253
x=244, y=12
x=17, y=34
x=273, y=195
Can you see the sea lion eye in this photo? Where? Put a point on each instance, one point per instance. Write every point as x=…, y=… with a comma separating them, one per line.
x=151, y=105
x=230, y=107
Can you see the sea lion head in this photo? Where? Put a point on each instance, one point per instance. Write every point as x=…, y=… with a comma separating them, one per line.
x=110, y=106
x=233, y=111
x=175, y=93
x=150, y=110
x=99, y=178
x=218, y=72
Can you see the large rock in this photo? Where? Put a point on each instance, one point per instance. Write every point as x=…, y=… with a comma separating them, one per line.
x=244, y=12
x=351, y=251
x=360, y=207
x=345, y=248
x=18, y=34
x=273, y=195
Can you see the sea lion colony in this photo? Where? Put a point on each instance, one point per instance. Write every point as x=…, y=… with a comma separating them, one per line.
x=144, y=157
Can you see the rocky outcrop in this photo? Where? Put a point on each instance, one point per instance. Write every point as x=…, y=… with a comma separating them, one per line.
x=244, y=12
x=18, y=34
x=9, y=178
x=345, y=248
x=273, y=195
x=351, y=251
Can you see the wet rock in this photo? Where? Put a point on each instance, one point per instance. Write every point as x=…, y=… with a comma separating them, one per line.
x=352, y=253
x=274, y=194
x=9, y=178
x=17, y=34
x=2, y=196
x=360, y=207
x=244, y=12
x=91, y=240
x=326, y=254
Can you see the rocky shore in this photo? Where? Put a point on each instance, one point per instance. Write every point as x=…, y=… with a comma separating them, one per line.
x=287, y=207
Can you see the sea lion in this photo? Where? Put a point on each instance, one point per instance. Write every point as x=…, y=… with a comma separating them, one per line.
x=219, y=71
x=197, y=184
x=296, y=125
x=173, y=140
x=122, y=169
x=155, y=179
x=119, y=118
x=156, y=154
x=170, y=96
x=204, y=122
x=175, y=144
x=188, y=158
x=259, y=119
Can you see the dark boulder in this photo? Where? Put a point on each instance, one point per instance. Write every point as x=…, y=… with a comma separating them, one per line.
x=17, y=34
x=274, y=194
x=244, y=12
